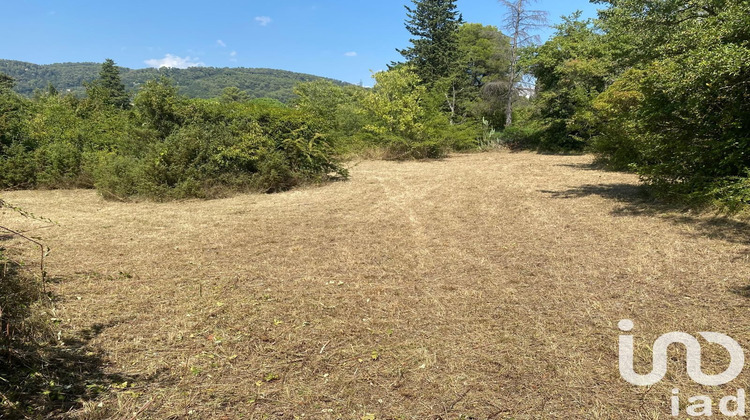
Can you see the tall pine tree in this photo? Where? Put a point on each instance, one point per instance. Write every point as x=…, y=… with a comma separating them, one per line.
x=108, y=88
x=434, y=23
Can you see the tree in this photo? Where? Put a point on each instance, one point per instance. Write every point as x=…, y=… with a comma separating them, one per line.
x=483, y=53
x=234, y=94
x=14, y=147
x=435, y=25
x=519, y=22
x=108, y=89
x=571, y=69
x=52, y=90
x=397, y=104
x=334, y=109
x=399, y=116
x=483, y=60
x=156, y=105
x=685, y=102
x=6, y=82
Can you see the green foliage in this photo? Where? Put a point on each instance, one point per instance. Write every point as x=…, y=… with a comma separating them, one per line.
x=6, y=82
x=397, y=104
x=455, y=61
x=571, y=69
x=194, y=82
x=686, y=125
x=658, y=88
x=483, y=53
x=234, y=94
x=20, y=297
x=526, y=131
x=617, y=144
x=108, y=89
x=335, y=108
x=165, y=147
x=398, y=116
x=156, y=106
x=434, y=24
x=58, y=136
x=14, y=145
x=470, y=92
x=214, y=147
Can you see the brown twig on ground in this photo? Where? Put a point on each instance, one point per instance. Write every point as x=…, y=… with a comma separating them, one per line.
x=144, y=408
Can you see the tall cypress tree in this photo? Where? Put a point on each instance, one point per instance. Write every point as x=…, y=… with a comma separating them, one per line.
x=434, y=24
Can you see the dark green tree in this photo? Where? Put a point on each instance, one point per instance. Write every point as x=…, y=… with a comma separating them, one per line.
x=434, y=24
x=684, y=104
x=6, y=82
x=156, y=106
x=571, y=70
x=14, y=153
x=234, y=94
x=52, y=90
x=483, y=64
x=108, y=89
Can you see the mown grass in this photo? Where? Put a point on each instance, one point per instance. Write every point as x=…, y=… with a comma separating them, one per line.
x=484, y=286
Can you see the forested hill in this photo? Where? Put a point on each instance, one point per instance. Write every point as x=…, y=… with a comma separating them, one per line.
x=196, y=82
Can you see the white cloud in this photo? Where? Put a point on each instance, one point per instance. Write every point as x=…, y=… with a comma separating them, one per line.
x=351, y=54
x=221, y=43
x=233, y=54
x=174, y=61
x=263, y=20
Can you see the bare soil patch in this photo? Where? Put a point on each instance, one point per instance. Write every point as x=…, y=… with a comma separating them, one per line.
x=483, y=286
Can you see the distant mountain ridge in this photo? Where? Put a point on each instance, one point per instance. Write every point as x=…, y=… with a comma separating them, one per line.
x=194, y=82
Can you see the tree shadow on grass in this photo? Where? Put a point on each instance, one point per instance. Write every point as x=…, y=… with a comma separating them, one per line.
x=635, y=200
x=585, y=167
x=48, y=381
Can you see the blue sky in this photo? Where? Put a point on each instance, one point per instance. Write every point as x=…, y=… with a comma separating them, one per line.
x=343, y=40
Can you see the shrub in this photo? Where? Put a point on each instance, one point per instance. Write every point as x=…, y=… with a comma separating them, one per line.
x=216, y=148
x=21, y=301
x=22, y=296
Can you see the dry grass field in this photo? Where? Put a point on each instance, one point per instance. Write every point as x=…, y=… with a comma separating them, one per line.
x=484, y=286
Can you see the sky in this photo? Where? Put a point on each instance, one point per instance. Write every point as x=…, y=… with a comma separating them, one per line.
x=343, y=40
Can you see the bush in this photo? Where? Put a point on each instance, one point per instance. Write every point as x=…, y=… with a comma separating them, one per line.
x=17, y=167
x=22, y=297
x=617, y=145
x=116, y=176
x=21, y=302
x=214, y=149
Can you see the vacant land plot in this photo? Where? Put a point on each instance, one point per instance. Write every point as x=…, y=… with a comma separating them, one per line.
x=482, y=286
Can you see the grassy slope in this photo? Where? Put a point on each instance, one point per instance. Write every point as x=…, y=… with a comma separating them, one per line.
x=486, y=285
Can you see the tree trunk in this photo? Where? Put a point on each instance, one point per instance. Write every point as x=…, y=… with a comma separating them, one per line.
x=513, y=64
x=509, y=110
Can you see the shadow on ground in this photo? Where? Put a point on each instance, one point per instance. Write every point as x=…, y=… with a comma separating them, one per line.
x=584, y=166
x=635, y=200
x=48, y=381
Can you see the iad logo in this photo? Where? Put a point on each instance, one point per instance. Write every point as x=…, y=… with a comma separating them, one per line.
x=693, y=348
x=701, y=405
